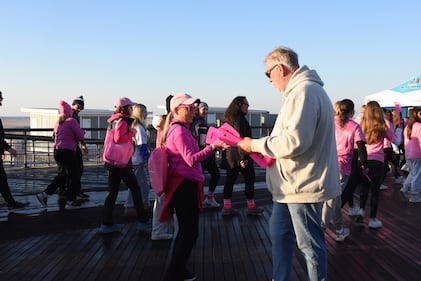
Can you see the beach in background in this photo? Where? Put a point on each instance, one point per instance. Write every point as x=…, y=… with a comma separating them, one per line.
x=15, y=122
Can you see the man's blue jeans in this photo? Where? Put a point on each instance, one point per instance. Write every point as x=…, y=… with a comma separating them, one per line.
x=300, y=222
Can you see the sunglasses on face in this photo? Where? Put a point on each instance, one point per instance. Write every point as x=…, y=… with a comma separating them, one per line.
x=267, y=73
x=189, y=108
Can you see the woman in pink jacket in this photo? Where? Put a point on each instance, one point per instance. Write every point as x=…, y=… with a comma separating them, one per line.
x=184, y=192
x=67, y=134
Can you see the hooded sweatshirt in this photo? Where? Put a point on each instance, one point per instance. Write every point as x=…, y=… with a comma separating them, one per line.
x=303, y=144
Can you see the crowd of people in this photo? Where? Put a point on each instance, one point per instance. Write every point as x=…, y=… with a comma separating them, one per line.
x=321, y=155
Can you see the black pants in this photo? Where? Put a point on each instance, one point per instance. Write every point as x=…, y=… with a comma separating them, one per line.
x=249, y=178
x=376, y=173
x=115, y=176
x=67, y=178
x=185, y=203
x=212, y=169
x=4, y=185
x=354, y=179
x=60, y=181
x=79, y=159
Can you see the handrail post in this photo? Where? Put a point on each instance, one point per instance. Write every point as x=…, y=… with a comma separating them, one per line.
x=25, y=147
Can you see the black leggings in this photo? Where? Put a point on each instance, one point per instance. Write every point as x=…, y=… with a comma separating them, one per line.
x=185, y=203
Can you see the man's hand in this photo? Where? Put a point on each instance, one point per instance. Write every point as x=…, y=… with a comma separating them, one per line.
x=245, y=144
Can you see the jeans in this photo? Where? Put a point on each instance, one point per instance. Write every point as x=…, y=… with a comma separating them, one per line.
x=142, y=176
x=300, y=222
x=332, y=208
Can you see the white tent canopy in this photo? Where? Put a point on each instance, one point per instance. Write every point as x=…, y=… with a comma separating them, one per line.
x=405, y=94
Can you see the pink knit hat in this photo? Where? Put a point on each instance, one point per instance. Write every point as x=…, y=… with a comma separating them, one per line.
x=65, y=108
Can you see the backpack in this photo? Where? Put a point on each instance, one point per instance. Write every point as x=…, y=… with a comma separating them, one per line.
x=117, y=154
x=158, y=167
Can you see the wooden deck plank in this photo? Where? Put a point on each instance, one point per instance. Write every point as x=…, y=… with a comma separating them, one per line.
x=66, y=246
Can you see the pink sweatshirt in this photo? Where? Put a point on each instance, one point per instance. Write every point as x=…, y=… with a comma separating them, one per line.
x=375, y=151
x=346, y=139
x=413, y=145
x=67, y=134
x=183, y=152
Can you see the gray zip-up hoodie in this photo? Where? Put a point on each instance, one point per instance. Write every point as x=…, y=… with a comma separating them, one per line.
x=303, y=144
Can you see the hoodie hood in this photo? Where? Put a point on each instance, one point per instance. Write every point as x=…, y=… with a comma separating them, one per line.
x=303, y=74
x=116, y=116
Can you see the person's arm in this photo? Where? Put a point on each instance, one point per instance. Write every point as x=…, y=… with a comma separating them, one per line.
x=362, y=153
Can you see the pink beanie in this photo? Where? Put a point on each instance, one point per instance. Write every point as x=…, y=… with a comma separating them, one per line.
x=65, y=108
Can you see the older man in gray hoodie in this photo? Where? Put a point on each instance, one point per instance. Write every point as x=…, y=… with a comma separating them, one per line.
x=305, y=173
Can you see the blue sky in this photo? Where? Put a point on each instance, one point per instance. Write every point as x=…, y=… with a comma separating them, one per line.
x=213, y=50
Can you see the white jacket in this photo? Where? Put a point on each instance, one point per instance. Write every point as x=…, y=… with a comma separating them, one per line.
x=303, y=144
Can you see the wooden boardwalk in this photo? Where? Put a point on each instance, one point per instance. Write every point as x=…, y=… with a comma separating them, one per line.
x=53, y=245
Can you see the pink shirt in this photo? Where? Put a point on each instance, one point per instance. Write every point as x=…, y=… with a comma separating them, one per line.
x=346, y=139
x=413, y=145
x=375, y=151
x=183, y=153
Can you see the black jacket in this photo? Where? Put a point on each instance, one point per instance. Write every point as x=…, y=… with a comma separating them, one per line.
x=234, y=155
x=3, y=144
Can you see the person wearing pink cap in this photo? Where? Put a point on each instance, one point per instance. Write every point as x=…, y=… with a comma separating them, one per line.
x=120, y=132
x=184, y=192
x=67, y=134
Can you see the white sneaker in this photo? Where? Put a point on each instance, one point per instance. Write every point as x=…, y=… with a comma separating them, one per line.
x=353, y=211
x=383, y=187
x=360, y=212
x=359, y=217
x=210, y=203
x=163, y=236
x=415, y=199
x=342, y=234
x=375, y=223
x=399, y=180
x=71, y=205
x=402, y=193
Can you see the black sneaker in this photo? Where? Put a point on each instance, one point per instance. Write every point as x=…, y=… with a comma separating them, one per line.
x=61, y=203
x=17, y=206
x=255, y=211
x=229, y=212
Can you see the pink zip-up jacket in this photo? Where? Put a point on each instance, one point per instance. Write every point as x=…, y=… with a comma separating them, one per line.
x=183, y=152
x=67, y=134
x=375, y=151
x=413, y=145
x=185, y=160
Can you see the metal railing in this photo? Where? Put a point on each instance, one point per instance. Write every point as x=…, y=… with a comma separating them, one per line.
x=35, y=147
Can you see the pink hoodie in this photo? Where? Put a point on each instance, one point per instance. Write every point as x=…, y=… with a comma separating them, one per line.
x=413, y=145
